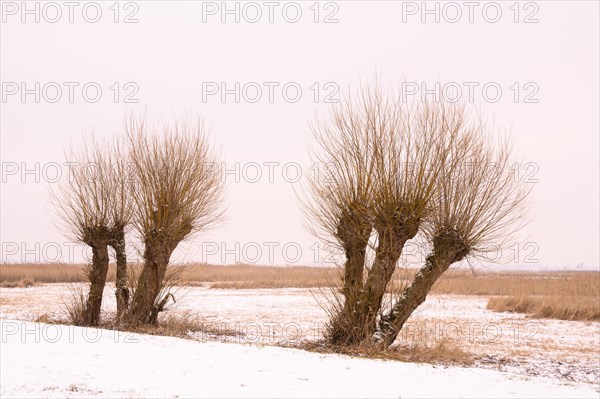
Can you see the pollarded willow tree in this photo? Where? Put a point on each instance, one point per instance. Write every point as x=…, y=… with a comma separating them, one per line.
x=92, y=207
x=176, y=192
x=387, y=167
x=164, y=182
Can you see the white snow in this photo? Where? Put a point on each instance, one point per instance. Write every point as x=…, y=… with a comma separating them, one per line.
x=44, y=360
x=567, y=351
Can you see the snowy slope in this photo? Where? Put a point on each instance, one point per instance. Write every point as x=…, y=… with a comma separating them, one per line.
x=40, y=360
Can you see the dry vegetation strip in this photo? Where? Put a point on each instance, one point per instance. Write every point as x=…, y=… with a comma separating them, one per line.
x=45, y=273
x=555, y=307
x=457, y=281
x=443, y=352
x=556, y=295
x=246, y=276
x=552, y=283
x=562, y=295
x=235, y=276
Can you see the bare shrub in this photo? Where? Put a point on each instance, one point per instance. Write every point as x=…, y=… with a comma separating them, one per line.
x=76, y=307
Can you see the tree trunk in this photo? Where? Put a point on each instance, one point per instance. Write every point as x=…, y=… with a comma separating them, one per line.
x=121, y=292
x=150, y=282
x=387, y=254
x=97, y=281
x=342, y=327
x=413, y=296
x=159, y=244
x=353, y=231
x=353, y=273
x=448, y=248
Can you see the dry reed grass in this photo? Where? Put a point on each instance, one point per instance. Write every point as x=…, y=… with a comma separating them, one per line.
x=254, y=277
x=567, y=295
x=47, y=272
x=561, y=307
x=235, y=276
x=551, y=283
x=455, y=281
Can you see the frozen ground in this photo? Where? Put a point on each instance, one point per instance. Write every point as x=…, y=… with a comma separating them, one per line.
x=564, y=351
x=44, y=360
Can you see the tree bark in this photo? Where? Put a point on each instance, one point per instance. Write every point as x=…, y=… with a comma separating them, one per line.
x=358, y=321
x=448, y=248
x=147, y=290
x=158, y=248
x=353, y=273
x=150, y=281
x=97, y=281
x=353, y=231
x=121, y=292
x=413, y=296
x=342, y=326
x=386, y=257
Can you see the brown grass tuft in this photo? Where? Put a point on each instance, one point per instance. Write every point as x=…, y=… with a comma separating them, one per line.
x=22, y=283
x=181, y=325
x=44, y=318
x=442, y=353
x=174, y=325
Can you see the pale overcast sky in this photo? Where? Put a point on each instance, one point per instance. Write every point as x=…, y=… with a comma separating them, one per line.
x=532, y=67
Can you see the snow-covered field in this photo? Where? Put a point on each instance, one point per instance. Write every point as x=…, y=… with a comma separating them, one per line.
x=57, y=361
x=516, y=356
